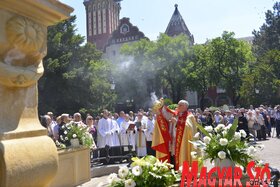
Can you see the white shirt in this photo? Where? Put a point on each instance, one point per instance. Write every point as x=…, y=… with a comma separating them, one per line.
x=105, y=130
x=116, y=131
x=150, y=130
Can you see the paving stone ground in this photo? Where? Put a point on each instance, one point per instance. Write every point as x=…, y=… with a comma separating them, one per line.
x=270, y=154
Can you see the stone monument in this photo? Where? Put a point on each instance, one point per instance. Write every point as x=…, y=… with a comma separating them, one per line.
x=28, y=157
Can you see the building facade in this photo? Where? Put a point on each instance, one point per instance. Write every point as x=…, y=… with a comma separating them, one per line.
x=126, y=32
x=102, y=19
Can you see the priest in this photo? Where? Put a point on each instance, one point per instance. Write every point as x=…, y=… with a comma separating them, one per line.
x=186, y=127
x=127, y=133
x=105, y=131
x=141, y=125
x=162, y=137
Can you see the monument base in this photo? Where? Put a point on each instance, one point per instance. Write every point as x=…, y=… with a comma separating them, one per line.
x=73, y=167
x=28, y=161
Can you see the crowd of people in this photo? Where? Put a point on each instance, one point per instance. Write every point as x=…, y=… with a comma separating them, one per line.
x=257, y=122
x=137, y=129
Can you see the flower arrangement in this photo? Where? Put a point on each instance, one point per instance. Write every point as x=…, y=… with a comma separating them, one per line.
x=145, y=172
x=76, y=131
x=223, y=142
x=173, y=106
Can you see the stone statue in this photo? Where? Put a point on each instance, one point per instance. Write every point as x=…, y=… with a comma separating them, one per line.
x=20, y=68
x=28, y=157
x=21, y=58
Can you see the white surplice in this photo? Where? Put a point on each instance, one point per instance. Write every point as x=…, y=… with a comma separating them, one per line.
x=141, y=139
x=115, y=133
x=150, y=130
x=127, y=136
x=105, y=131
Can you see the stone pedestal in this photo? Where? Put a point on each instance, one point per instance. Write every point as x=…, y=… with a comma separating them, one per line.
x=73, y=167
x=27, y=156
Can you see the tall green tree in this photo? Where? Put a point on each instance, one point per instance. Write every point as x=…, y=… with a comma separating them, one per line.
x=264, y=74
x=263, y=77
x=75, y=75
x=160, y=65
x=170, y=58
x=201, y=73
x=267, y=37
x=230, y=58
x=132, y=77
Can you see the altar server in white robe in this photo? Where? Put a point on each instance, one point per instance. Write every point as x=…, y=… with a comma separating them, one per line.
x=115, y=132
x=127, y=133
x=149, y=134
x=141, y=126
x=105, y=131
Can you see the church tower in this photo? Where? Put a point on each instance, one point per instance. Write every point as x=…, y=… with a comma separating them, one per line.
x=177, y=26
x=102, y=20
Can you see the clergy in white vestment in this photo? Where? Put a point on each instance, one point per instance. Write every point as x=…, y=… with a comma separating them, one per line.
x=115, y=132
x=127, y=133
x=105, y=131
x=149, y=134
x=141, y=126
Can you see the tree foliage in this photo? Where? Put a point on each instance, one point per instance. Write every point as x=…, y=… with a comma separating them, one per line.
x=230, y=59
x=201, y=73
x=268, y=37
x=264, y=74
x=133, y=79
x=262, y=83
x=75, y=75
x=174, y=66
x=158, y=66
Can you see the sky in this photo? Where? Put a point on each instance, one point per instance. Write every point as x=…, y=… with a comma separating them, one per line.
x=206, y=19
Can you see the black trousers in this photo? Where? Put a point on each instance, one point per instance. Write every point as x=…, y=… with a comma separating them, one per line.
x=172, y=159
x=277, y=124
x=272, y=122
x=261, y=134
x=150, y=151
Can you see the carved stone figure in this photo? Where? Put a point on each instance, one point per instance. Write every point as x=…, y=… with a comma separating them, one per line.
x=22, y=48
x=28, y=157
x=21, y=58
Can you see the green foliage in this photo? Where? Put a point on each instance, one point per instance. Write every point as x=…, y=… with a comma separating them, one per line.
x=229, y=59
x=168, y=101
x=265, y=77
x=200, y=72
x=75, y=75
x=76, y=131
x=263, y=74
x=221, y=62
x=158, y=65
x=267, y=38
x=172, y=64
x=173, y=106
